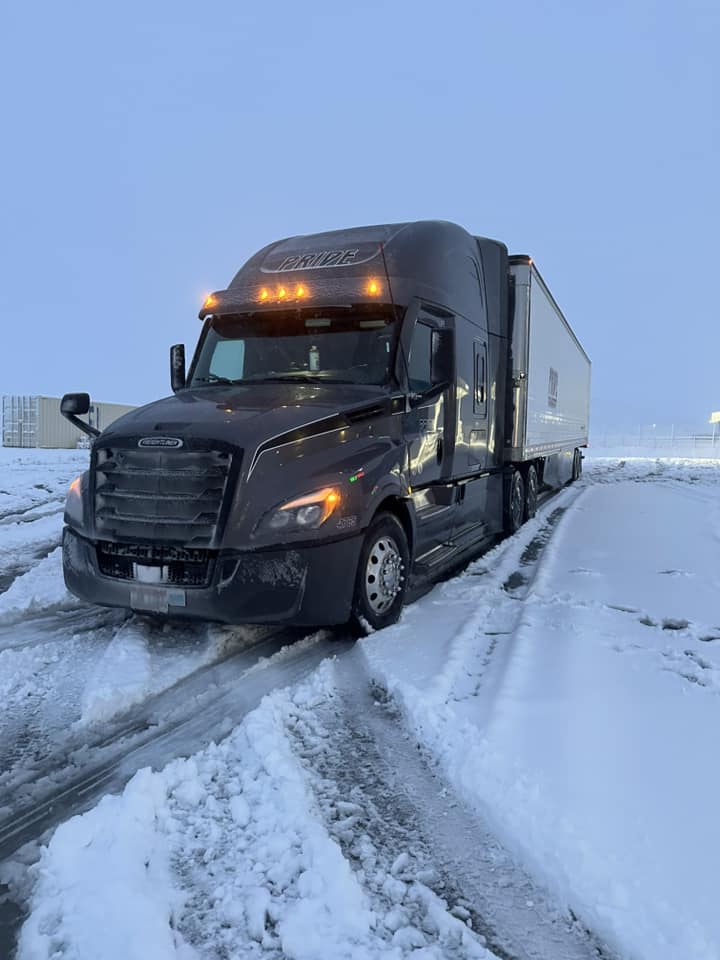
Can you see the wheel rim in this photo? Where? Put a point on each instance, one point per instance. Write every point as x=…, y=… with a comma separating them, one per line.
x=383, y=574
x=516, y=505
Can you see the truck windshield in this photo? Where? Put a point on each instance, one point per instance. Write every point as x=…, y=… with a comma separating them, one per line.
x=318, y=345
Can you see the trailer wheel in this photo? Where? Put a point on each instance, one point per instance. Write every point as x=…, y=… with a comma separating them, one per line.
x=531, y=491
x=515, y=507
x=381, y=579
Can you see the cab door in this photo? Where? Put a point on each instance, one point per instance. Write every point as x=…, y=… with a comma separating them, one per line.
x=473, y=437
x=429, y=431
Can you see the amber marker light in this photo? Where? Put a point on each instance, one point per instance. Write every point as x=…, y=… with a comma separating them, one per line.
x=301, y=291
x=210, y=301
x=373, y=288
x=264, y=294
x=75, y=485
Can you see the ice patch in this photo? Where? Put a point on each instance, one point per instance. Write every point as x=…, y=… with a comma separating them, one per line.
x=144, y=658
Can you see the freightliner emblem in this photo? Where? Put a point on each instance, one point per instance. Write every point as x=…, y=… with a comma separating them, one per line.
x=173, y=442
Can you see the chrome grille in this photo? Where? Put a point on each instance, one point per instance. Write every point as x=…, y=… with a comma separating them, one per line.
x=160, y=495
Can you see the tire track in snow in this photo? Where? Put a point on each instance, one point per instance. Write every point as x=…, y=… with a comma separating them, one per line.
x=42, y=626
x=36, y=511
x=177, y=722
x=433, y=872
x=105, y=662
x=24, y=544
x=478, y=650
x=9, y=574
x=180, y=722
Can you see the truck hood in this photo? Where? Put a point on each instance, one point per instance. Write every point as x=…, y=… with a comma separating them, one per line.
x=247, y=415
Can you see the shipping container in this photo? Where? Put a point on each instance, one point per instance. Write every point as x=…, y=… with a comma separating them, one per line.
x=34, y=421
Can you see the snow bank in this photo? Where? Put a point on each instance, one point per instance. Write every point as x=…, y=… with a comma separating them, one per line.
x=221, y=851
x=105, y=889
x=228, y=854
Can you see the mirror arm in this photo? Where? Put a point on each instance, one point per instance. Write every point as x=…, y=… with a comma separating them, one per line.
x=82, y=426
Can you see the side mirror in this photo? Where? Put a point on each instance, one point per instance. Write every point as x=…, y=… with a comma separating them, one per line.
x=177, y=367
x=442, y=358
x=75, y=403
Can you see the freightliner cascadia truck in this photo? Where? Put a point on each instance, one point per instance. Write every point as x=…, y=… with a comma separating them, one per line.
x=365, y=408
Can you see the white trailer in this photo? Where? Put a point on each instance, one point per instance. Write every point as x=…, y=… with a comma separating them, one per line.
x=36, y=421
x=550, y=373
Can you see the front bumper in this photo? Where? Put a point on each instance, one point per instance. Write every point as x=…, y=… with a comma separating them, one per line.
x=305, y=586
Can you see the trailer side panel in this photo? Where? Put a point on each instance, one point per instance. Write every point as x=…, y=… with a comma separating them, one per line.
x=551, y=374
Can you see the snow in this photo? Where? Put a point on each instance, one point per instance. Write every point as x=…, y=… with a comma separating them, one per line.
x=583, y=721
x=565, y=689
x=30, y=479
x=67, y=667
x=41, y=588
x=143, y=659
x=222, y=854
x=79, y=917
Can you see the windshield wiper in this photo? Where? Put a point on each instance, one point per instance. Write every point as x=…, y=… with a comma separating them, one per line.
x=297, y=378
x=213, y=378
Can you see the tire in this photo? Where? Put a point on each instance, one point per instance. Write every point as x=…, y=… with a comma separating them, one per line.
x=515, y=506
x=531, y=491
x=382, y=574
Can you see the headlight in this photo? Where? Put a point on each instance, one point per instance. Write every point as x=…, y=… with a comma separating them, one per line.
x=303, y=513
x=74, y=502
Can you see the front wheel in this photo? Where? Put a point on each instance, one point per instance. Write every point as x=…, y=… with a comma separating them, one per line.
x=381, y=580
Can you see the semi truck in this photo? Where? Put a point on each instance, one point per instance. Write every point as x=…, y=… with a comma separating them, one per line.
x=365, y=409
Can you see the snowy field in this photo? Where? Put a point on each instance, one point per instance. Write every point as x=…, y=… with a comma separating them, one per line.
x=524, y=767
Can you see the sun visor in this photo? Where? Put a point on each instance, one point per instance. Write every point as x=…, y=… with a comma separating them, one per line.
x=295, y=274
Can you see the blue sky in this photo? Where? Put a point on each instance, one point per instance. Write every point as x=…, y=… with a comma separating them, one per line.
x=150, y=148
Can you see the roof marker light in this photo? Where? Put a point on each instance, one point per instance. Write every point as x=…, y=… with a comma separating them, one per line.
x=210, y=301
x=301, y=291
x=264, y=294
x=373, y=288
x=282, y=293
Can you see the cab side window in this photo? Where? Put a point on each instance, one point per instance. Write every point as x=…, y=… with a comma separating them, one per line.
x=420, y=366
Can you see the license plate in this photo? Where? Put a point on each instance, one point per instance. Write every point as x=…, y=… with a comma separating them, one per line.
x=156, y=599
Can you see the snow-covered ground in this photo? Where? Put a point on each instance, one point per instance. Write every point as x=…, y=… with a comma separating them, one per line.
x=525, y=766
x=67, y=666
